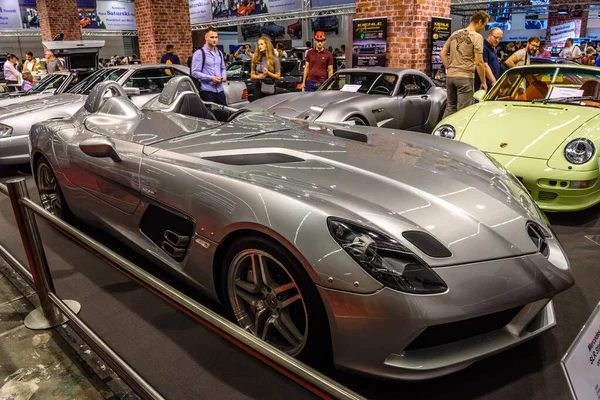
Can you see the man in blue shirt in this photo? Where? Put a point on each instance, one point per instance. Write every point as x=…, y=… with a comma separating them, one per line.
x=170, y=57
x=208, y=66
x=490, y=58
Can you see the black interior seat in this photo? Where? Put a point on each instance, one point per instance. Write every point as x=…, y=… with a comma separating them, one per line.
x=191, y=104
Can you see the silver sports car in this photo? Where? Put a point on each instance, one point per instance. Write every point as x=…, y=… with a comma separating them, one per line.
x=141, y=82
x=398, y=254
x=385, y=97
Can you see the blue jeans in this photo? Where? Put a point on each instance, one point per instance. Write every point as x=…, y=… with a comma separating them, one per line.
x=311, y=86
x=214, y=97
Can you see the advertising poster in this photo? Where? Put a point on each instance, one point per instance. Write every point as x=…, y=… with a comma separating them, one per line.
x=238, y=8
x=281, y=6
x=200, y=11
x=276, y=31
x=369, y=42
x=115, y=15
x=29, y=14
x=87, y=14
x=560, y=33
x=440, y=32
x=10, y=15
x=329, y=3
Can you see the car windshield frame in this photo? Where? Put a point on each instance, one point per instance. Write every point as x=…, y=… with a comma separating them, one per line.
x=49, y=79
x=107, y=74
x=548, y=84
x=377, y=78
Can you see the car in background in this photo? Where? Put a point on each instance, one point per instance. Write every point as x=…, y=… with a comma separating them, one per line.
x=376, y=96
x=340, y=63
x=272, y=30
x=542, y=123
x=552, y=60
x=52, y=84
x=291, y=76
x=326, y=24
x=384, y=252
x=370, y=48
x=295, y=29
x=250, y=31
x=246, y=8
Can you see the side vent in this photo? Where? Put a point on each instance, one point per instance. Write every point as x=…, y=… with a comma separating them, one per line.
x=254, y=159
x=427, y=244
x=169, y=231
x=350, y=135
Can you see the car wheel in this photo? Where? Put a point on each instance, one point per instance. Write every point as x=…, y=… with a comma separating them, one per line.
x=50, y=194
x=271, y=296
x=358, y=121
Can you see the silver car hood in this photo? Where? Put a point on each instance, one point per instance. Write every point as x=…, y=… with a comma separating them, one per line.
x=294, y=104
x=37, y=104
x=398, y=181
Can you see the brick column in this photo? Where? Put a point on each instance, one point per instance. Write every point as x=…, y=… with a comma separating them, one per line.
x=59, y=16
x=163, y=22
x=555, y=19
x=409, y=24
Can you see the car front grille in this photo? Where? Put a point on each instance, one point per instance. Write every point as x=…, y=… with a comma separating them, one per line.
x=438, y=335
x=547, y=196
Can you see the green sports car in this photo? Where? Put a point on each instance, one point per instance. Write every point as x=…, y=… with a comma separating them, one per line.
x=542, y=122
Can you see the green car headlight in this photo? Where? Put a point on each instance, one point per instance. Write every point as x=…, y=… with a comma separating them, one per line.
x=445, y=131
x=5, y=130
x=579, y=151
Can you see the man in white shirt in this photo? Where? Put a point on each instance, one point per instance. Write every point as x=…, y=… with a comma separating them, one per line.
x=11, y=75
x=571, y=51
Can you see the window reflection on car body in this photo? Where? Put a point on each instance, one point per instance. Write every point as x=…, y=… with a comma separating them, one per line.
x=565, y=99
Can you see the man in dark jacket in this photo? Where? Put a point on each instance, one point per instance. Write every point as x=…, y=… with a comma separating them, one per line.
x=170, y=57
x=492, y=63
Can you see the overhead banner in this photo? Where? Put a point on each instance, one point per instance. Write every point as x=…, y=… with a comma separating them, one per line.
x=328, y=3
x=200, y=11
x=281, y=6
x=369, y=42
x=116, y=15
x=560, y=33
x=10, y=16
x=441, y=29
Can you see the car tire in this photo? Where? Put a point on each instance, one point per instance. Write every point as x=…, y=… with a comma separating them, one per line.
x=358, y=120
x=284, y=307
x=51, y=196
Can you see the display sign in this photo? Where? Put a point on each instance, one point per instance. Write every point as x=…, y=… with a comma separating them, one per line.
x=441, y=29
x=581, y=363
x=10, y=15
x=116, y=15
x=369, y=42
x=200, y=11
x=281, y=6
x=328, y=3
x=29, y=14
x=560, y=33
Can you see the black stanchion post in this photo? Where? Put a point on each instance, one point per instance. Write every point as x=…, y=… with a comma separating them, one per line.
x=47, y=315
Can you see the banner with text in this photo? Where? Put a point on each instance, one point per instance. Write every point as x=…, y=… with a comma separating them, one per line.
x=369, y=42
x=441, y=29
x=116, y=15
x=200, y=11
x=10, y=16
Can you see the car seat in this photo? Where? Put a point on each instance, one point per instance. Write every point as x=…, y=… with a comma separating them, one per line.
x=190, y=104
x=535, y=90
x=591, y=88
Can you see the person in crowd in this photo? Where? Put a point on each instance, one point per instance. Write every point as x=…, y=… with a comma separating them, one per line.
x=343, y=50
x=518, y=45
x=590, y=57
x=19, y=65
x=318, y=65
x=308, y=46
x=265, y=68
x=242, y=54
x=462, y=56
x=280, y=51
x=492, y=63
x=248, y=51
x=597, y=63
x=330, y=49
x=542, y=52
x=582, y=47
x=336, y=52
x=11, y=74
x=523, y=56
x=170, y=57
x=131, y=60
x=27, y=81
x=598, y=48
x=208, y=66
x=571, y=51
x=105, y=62
x=52, y=63
x=31, y=64
x=510, y=49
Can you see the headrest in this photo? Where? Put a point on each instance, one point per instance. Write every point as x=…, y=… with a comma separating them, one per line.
x=97, y=95
x=176, y=86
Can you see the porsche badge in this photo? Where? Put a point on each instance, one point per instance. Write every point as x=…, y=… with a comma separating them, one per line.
x=503, y=144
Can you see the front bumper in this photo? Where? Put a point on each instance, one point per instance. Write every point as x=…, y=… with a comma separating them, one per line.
x=14, y=149
x=544, y=184
x=381, y=333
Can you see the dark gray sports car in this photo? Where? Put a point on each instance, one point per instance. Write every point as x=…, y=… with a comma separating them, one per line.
x=384, y=97
x=398, y=254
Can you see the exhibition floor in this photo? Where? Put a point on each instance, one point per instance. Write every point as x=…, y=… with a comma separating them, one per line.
x=184, y=359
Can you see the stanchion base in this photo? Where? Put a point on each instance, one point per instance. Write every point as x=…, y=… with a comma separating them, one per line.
x=36, y=320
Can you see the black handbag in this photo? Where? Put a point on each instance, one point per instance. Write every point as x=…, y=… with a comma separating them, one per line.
x=267, y=86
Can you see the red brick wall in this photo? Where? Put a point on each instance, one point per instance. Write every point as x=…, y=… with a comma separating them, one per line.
x=59, y=16
x=556, y=19
x=409, y=24
x=163, y=22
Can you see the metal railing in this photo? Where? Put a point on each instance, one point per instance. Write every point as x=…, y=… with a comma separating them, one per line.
x=55, y=311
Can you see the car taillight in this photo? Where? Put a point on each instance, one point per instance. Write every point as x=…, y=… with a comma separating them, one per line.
x=245, y=94
x=299, y=86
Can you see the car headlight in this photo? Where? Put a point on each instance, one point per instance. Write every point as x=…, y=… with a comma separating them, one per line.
x=579, y=151
x=5, y=130
x=445, y=131
x=386, y=259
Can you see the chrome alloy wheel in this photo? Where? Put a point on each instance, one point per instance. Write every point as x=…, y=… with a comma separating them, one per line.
x=266, y=300
x=48, y=189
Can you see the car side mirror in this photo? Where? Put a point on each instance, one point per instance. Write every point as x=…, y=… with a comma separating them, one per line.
x=100, y=147
x=411, y=88
x=479, y=95
x=132, y=91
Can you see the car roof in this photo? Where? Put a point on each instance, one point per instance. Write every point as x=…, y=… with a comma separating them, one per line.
x=561, y=66
x=386, y=70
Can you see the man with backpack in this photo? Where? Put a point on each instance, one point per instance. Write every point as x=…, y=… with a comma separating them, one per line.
x=169, y=57
x=208, y=67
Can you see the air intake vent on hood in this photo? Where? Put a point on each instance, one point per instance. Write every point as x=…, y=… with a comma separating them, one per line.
x=254, y=159
x=427, y=244
x=356, y=136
